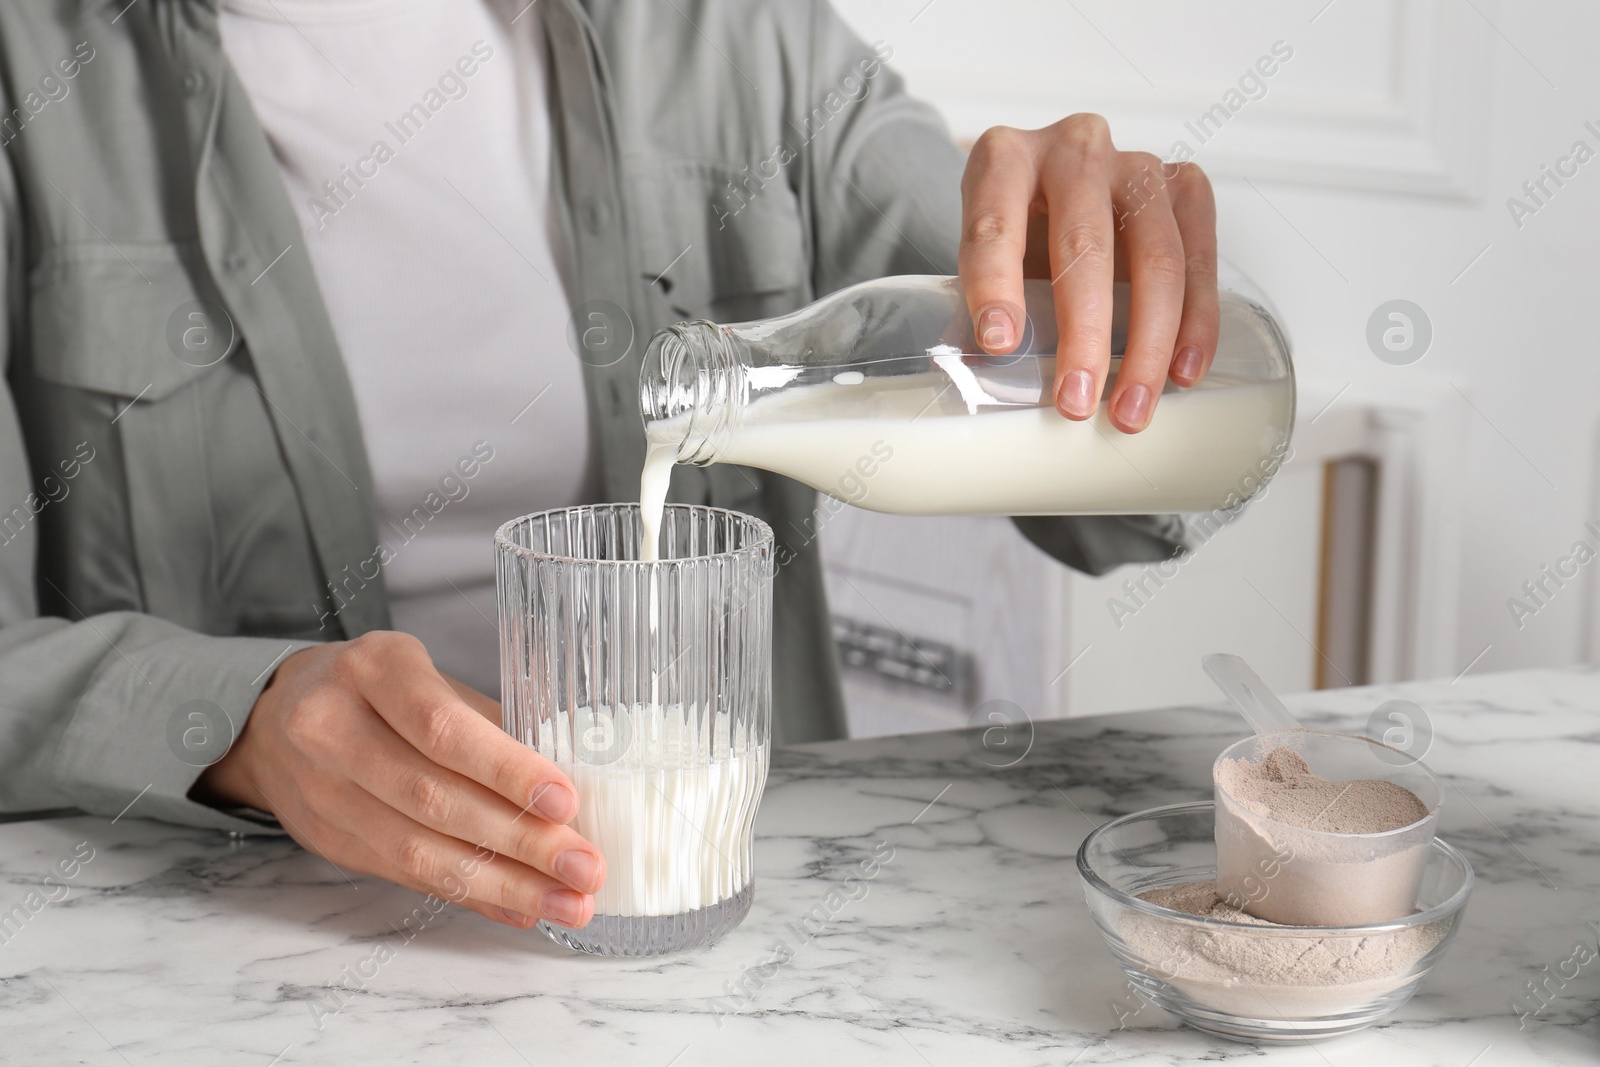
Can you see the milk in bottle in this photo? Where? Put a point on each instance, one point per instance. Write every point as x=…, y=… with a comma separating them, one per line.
x=879, y=395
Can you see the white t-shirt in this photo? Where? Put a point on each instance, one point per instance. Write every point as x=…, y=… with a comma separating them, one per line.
x=414, y=138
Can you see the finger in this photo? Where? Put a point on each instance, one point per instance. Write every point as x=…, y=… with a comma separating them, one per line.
x=1082, y=239
x=393, y=672
x=362, y=858
x=455, y=805
x=997, y=189
x=1154, y=251
x=349, y=852
x=450, y=868
x=1195, y=209
x=481, y=703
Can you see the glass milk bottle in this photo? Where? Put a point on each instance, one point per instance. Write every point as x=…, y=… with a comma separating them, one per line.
x=879, y=395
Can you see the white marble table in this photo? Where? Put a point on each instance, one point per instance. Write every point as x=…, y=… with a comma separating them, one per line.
x=971, y=945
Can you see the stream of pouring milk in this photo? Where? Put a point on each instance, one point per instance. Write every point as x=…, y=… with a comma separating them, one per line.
x=653, y=483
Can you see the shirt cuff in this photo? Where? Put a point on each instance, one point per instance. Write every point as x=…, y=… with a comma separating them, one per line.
x=155, y=717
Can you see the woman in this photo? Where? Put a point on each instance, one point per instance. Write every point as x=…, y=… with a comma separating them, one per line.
x=306, y=296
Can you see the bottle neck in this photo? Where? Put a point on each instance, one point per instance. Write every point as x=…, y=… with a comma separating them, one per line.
x=691, y=388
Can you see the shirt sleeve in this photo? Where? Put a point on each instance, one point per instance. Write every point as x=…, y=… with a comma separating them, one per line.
x=882, y=174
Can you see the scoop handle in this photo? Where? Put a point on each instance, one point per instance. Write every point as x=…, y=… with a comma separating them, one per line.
x=1242, y=686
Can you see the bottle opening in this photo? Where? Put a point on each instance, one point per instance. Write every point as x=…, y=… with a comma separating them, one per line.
x=689, y=389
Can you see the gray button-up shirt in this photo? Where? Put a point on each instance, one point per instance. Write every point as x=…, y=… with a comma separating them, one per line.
x=184, y=496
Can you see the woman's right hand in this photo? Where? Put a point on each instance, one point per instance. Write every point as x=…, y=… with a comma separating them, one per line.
x=367, y=756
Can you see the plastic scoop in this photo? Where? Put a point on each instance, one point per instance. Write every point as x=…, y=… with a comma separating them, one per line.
x=1302, y=875
x=1249, y=695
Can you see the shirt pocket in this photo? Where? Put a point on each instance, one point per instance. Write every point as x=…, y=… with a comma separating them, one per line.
x=128, y=321
x=718, y=254
x=187, y=511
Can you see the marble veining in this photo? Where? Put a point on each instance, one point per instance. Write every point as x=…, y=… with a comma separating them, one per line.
x=915, y=904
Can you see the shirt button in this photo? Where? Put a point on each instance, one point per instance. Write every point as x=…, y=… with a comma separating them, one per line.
x=193, y=82
x=234, y=263
x=590, y=213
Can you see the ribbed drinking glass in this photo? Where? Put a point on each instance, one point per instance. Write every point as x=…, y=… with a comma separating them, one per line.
x=649, y=685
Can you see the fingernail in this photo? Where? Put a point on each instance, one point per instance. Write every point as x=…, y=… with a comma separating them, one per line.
x=516, y=917
x=1186, y=364
x=1076, y=396
x=994, y=330
x=1133, y=407
x=581, y=870
x=554, y=802
x=563, y=906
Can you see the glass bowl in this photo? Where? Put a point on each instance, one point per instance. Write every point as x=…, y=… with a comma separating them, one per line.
x=1245, y=980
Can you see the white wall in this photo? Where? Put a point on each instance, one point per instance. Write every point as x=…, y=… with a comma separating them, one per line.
x=1376, y=166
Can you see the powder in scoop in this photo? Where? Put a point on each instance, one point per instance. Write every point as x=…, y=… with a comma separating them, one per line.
x=1282, y=787
x=1268, y=975
x=1281, y=855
